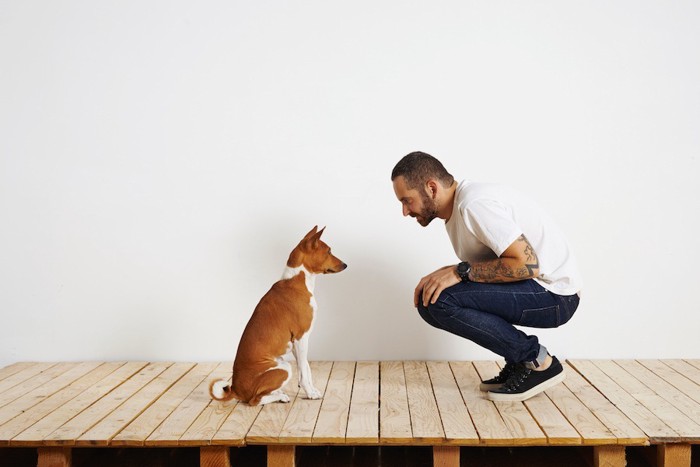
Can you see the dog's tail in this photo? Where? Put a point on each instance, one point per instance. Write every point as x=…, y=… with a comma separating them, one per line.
x=221, y=390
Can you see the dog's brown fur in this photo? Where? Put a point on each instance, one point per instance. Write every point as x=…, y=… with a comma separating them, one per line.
x=283, y=316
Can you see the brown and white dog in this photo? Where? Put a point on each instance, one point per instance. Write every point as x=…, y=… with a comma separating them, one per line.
x=280, y=324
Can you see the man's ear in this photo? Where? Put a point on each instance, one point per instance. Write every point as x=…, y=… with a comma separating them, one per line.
x=431, y=188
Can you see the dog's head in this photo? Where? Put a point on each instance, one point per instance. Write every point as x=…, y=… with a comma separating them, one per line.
x=315, y=255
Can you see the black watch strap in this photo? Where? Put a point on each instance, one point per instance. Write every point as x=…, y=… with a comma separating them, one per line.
x=463, y=270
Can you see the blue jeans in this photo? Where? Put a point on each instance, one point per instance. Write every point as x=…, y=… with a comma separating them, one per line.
x=486, y=314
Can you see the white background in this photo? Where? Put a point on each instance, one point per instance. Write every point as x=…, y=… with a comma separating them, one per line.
x=159, y=160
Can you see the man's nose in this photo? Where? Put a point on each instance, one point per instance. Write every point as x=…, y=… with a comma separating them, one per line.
x=405, y=210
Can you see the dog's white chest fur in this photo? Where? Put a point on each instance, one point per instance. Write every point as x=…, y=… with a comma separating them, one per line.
x=309, y=279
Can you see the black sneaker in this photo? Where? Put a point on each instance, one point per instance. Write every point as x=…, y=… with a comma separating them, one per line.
x=502, y=377
x=525, y=383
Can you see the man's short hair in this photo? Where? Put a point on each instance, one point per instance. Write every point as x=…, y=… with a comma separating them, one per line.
x=418, y=167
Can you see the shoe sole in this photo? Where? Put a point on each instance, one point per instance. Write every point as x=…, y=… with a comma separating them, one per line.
x=519, y=397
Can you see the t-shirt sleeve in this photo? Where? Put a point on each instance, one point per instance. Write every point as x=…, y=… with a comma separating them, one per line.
x=492, y=223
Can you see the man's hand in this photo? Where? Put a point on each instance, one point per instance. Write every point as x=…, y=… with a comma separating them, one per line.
x=434, y=283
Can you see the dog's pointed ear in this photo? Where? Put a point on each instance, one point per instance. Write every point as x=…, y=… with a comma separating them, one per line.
x=311, y=233
x=315, y=238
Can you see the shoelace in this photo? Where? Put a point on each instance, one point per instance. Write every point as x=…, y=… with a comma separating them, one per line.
x=516, y=378
x=506, y=372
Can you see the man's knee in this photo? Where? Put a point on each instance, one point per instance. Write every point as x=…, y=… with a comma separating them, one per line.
x=431, y=314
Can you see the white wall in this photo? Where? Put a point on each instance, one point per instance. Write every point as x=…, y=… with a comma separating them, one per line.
x=159, y=160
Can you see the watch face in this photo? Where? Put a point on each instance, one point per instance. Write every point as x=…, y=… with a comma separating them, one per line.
x=463, y=270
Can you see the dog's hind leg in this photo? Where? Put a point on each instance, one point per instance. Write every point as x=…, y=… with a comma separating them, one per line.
x=269, y=385
x=274, y=396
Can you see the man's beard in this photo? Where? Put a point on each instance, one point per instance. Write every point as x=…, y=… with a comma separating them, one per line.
x=429, y=211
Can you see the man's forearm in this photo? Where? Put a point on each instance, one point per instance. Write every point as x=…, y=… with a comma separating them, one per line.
x=499, y=270
x=523, y=265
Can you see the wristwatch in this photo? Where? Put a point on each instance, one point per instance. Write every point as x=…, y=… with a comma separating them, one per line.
x=463, y=270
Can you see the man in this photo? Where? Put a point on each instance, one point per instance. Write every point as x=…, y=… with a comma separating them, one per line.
x=516, y=269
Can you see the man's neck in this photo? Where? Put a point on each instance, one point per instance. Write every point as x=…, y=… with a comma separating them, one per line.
x=448, y=202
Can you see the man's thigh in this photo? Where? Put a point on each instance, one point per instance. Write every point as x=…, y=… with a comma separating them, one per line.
x=524, y=303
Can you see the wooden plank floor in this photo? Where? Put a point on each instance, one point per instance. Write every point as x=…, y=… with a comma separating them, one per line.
x=606, y=404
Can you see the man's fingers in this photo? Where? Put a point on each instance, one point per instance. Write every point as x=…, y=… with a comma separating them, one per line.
x=431, y=292
x=436, y=294
x=432, y=285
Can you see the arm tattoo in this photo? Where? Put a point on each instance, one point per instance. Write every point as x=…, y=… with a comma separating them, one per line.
x=508, y=269
x=532, y=263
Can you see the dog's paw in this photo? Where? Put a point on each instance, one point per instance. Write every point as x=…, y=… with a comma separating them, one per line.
x=284, y=399
x=313, y=393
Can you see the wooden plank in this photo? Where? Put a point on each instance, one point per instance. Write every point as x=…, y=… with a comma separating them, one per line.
x=663, y=389
x=445, y=456
x=208, y=423
x=54, y=457
x=179, y=420
x=363, y=419
x=141, y=428
x=685, y=368
x=214, y=456
x=456, y=422
x=487, y=420
x=425, y=417
x=12, y=375
x=30, y=378
x=205, y=426
x=592, y=431
x=652, y=426
x=332, y=423
x=73, y=428
x=523, y=428
x=395, y=426
x=301, y=421
x=671, y=416
x=609, y=456
x=268, y=423
x=31, y=416
x=36, y=389
x=615, y=421
x=552, y=422
x=677, y=379
x=281, y=456
x=237, y=425
x=103, y=432
x=13, y=368
x=673, y=455
x=35, y=434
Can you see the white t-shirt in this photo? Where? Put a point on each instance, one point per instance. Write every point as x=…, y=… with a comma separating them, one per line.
x=487, y=218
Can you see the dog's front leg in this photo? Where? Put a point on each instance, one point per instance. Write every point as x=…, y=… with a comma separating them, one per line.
x=301, y=349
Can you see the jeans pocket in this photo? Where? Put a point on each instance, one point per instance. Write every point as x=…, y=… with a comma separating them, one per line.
x=546, y=317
